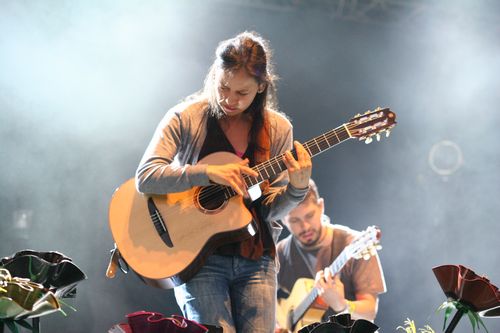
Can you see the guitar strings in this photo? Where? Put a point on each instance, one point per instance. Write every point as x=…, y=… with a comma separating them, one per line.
x=213, y=191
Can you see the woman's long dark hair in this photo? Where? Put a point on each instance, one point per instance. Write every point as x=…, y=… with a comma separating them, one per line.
x=251, y=52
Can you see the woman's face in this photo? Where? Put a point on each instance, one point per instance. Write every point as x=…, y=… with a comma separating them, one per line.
x=235, y=91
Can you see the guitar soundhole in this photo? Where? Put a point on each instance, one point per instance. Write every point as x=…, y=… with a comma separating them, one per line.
x=211, y=199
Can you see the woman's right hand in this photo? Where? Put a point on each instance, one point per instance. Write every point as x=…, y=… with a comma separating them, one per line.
x=231, y=175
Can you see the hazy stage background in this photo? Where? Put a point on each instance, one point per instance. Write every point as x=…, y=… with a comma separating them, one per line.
x=84, y=84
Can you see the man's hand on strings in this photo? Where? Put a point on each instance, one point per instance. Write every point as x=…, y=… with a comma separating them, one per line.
x=331, y=289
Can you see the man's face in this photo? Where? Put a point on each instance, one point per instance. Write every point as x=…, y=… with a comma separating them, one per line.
x=304, y=221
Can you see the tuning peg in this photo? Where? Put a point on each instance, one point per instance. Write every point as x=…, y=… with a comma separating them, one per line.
x=366, y=256
x=357, y=115
x=378, y=137
x=368, y=140
x=387, y=133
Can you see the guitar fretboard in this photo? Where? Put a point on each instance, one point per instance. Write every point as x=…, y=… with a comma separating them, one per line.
x=315, y=146
x=276, y=165
x=362, y=126
x=335, y=267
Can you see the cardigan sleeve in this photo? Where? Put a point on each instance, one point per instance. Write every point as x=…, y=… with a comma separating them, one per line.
x=159, y=171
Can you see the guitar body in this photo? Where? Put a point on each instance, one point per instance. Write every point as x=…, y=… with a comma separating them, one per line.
x=193, y=230
x=300, y=290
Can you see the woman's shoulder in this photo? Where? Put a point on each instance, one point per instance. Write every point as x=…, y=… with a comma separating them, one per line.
x=192, y=108
x=278, y=119
x=185, y=114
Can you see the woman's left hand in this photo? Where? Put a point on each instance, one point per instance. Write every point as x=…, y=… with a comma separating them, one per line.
x=300, y=169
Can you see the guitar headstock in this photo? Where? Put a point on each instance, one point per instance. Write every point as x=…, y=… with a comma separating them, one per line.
x=372, y=123
x=366, y=244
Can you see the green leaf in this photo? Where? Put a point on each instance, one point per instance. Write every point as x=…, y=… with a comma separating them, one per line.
x=472, y=321
x=474, y=318
x=65, y=304
x=448, y=309
x=12, y=326
x=480, y=321
x=24, y=324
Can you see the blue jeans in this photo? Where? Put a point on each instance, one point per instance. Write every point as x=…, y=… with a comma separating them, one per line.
x=233, y=292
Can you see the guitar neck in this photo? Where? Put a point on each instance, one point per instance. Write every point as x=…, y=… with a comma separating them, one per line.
x=361, y=126
x=306, y=303
x=315, y=146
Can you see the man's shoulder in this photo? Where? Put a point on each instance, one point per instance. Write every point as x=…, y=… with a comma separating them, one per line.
x=343, y=232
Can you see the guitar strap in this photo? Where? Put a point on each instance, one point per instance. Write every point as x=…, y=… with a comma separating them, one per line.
x=318, y=257
x=332, y=247
x=327, y=254
x=325, y=257
x=306, y=261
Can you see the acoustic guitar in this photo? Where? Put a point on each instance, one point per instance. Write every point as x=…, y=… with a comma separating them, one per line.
x=166, y=238
x=303, y=306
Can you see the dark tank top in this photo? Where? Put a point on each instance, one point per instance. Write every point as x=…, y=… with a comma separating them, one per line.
x=261, y=243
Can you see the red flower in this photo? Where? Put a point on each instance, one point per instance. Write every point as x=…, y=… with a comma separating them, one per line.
x=463, y=285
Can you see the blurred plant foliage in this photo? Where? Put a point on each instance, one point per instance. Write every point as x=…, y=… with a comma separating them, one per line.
x=411, y=328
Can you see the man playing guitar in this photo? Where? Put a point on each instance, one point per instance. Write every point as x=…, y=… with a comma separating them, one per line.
x=312, y=245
